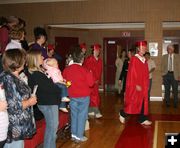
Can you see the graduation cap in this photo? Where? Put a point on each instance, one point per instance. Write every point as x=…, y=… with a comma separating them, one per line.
x=83, y=46
x=96, y=46
x=50, y=47
x=141, y=43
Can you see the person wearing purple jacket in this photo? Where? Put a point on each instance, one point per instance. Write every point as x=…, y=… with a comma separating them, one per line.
x=40, y=39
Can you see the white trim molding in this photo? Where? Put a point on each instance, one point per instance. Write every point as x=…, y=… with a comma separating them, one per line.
x=101, y=26
x=156, y=98
x=34, y=1
x=170, y=24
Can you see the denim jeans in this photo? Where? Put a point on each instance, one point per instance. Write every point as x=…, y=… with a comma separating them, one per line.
x=15, y=144
x=79, y=111
x=51, y=115
x=63, y=89
x=64, y=93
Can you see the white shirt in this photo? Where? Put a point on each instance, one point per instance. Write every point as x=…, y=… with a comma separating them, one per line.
x=172, y=62
x=4, y=122
x=3, y=118
x=13, y=44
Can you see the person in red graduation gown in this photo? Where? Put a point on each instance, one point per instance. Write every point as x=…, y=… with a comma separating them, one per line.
x=83, y=48
x=94, y=64
x=136, y=93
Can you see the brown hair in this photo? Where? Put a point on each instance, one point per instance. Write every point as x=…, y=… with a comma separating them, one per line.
x=13, y=59
x=17, y=33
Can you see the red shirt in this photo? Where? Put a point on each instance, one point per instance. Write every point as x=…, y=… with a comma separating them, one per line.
x=4, y=38
x=81, y=80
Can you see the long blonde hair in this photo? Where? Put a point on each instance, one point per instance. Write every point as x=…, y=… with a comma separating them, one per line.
x=32, y=60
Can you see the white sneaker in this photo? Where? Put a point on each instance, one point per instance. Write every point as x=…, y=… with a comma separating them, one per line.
x=87, y=125
x=146, y=122
x=73, y=137
x=65, y=99
x=64, y=110
x=98, y=115
x=91, y=114
x=83, y=139
x=122, y=119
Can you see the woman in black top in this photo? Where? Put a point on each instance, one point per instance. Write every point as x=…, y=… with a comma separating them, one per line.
x=47, y=94
x=123, y=75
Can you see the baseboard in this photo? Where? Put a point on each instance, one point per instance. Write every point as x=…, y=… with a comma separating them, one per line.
x=156, y=98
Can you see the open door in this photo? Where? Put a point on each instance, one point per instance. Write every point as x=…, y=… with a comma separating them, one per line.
x=110, y=53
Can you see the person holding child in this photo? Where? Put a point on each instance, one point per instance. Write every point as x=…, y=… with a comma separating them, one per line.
x=47, y=95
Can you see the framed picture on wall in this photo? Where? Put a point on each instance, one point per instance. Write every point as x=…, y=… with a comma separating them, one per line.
x=153, y=49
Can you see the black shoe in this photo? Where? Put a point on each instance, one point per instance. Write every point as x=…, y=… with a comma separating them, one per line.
x=175, y=106
x=167, y=105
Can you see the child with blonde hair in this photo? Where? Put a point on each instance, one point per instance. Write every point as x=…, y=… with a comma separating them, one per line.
x=53, y=71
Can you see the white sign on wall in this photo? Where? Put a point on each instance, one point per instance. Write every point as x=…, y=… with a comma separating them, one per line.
x=126, y=34
x=153, y=49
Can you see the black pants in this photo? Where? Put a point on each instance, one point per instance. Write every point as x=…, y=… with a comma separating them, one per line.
x=2, y=143
x=168, y=81
x=142, y=117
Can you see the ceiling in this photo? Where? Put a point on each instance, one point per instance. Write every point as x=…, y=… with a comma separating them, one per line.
x=33, y=1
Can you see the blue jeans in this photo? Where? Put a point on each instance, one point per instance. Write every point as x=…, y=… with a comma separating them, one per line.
x=79, y=111
x=63, y=88
x=51, y=115
x=64, y=93
x=15, y=144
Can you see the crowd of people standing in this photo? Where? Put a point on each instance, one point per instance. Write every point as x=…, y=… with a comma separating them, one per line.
x=32, y=86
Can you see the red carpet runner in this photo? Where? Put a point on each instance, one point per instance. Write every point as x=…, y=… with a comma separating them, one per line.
x=135, y=135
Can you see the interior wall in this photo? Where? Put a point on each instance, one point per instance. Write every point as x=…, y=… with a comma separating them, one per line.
x=152, y=13
x=93, y=11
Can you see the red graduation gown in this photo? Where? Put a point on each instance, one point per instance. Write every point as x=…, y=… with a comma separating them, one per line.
x=96, y=67
x=137, y=75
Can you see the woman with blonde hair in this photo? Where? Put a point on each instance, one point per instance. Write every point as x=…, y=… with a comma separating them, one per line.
x=47, y=94
x=121, y=54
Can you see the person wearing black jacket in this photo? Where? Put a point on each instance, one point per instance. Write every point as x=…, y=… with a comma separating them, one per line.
x=122, y=77
x=47, y=94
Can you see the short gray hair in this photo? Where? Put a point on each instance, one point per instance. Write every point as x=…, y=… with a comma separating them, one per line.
x=170, y=46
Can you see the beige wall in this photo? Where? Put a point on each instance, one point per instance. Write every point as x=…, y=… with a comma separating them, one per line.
x=151, y=12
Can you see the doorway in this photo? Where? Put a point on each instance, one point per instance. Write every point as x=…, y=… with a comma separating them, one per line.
x=63, y=46
x=110, y=54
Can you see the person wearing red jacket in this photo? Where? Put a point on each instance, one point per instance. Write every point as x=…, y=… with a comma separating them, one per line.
x=94, y=63
x=81, y=80
x=136, y=92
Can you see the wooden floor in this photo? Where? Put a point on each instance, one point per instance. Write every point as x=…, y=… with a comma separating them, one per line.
x=105, y=132
x=161, y=128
